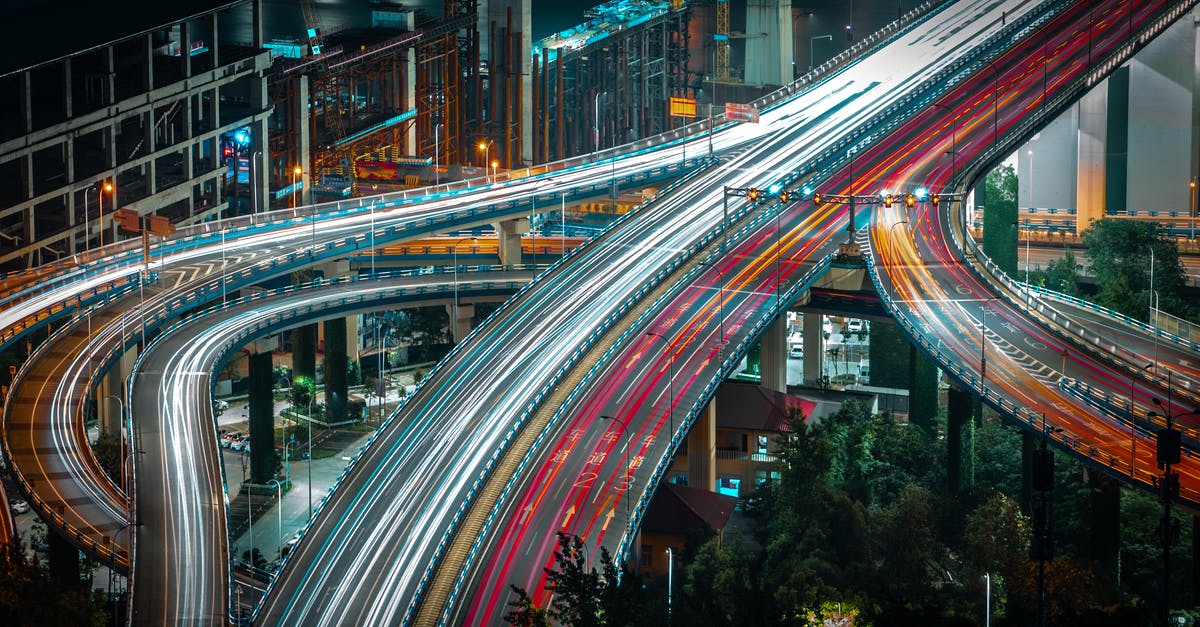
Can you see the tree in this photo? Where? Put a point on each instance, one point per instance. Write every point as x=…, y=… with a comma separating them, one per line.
x=582, y=595
x=1116, y=294
x=108, y=454
x=303, y=390
x=1122, y=248
x=1061, y=275
x=1000, y=212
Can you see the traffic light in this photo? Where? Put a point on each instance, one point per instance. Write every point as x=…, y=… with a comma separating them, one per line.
x=935, y=199
x=888, y=200
x=910, y=200
x=816, y=198
x=783, y=196
x=752, y=194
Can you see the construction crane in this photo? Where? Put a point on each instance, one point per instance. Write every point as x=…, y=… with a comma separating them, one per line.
x=722, y=39
x=326, y=85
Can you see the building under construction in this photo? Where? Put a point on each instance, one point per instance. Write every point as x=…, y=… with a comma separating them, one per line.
x=609, y=80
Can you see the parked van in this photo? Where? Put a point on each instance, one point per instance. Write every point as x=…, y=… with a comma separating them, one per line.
x=864, y=371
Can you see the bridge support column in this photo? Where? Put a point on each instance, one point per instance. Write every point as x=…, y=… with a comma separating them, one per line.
x=108, y=411
x=1028, y=449
x=769, y=42
x=702, y=450
x=1106, y=519
x=460, y=327
x=304, y=352
x=262, y=417
x=1161, y=121
x=303, y=140
x=335, y=370
x=1089, y=185
x=508, y=239
x=773, y=356
x=64, y=560
x=958, y=414
x=814, y=348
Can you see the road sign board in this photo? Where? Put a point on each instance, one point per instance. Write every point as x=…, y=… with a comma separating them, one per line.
x=738, y=112
x=683, y=107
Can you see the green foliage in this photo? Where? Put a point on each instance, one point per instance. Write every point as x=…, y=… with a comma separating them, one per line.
x=1120, y=259
x=1000, y=212
x=353, y=373
x=29, y=597
x=582, y=595
x=1061, y=275
x=108, y=454
x=303, y=389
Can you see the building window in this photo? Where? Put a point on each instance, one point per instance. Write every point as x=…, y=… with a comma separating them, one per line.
x=647, y=556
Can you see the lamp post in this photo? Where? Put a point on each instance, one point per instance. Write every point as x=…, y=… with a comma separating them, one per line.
x=596, y=119
x=983, y=345
x=279, y=509
x=295, y=190
x=108, y=187
x=1169, y=439
x=1192, y=207
x=310, y=456
x=1132, y=424
x=254, y=191
x=486, y=148
x=812, y=48
x=625, y=468
x=892, y=228
x=953, y=146
x=495, y=164
x=670, y=381
x=454, y=323
x=670, y=580
x=987, y=600
x=437, y=157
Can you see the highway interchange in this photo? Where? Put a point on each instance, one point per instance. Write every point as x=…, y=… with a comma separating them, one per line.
x=382, y=534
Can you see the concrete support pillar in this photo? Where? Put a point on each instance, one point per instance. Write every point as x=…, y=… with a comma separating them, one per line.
x=148, y=56
x=256, y=23
x=304, y=352
x=773, y=355
x=1046, y=173
x=1028, y=448
x=335, y=370
x=108, y=411
x=68, y=105
x=702, y=450
x=410, y=98
x=304, y=147
x=1161, y=81
x=460, y=324
x=922, y=389
x=213, y=35
x=814, y=347
x=185, y=48
x=26, y=105
x=769, y=42
x=508, y=241
x=958, y=415
x=262, y=418
x=353, y=342
x=64, y=560
x=1105, y=542
x=1116, y=145
x=1092, y=115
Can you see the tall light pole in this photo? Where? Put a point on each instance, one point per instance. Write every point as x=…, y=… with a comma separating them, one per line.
x=671, y=380
x=254, y=192
x=625, y=468
x=670, y=580
x=987, y=600
x=812, y=49
x=437, y=157
x=108, y=187
x=596, y=119
x=312, y=395
x=454, y=323
x=1192, y=207
x=983, y=343
x=295, y=190
x=1132, y=424
x=486, y=148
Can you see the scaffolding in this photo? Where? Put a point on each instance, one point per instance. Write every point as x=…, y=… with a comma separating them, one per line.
x=614, y=90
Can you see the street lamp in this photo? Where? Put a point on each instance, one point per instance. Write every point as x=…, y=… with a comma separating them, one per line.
x=295, y=190
x=625, y=468
x=437, y=157
x=454, y=323
x=108, y=187
x=1169, y=439
x=1132, y=425
x=486, y=147
x=811, y=48
x=495, y=164
x=953, y=147
x=279, y=508
x=670, y=381
x=983, y=345
x=1192, y=207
